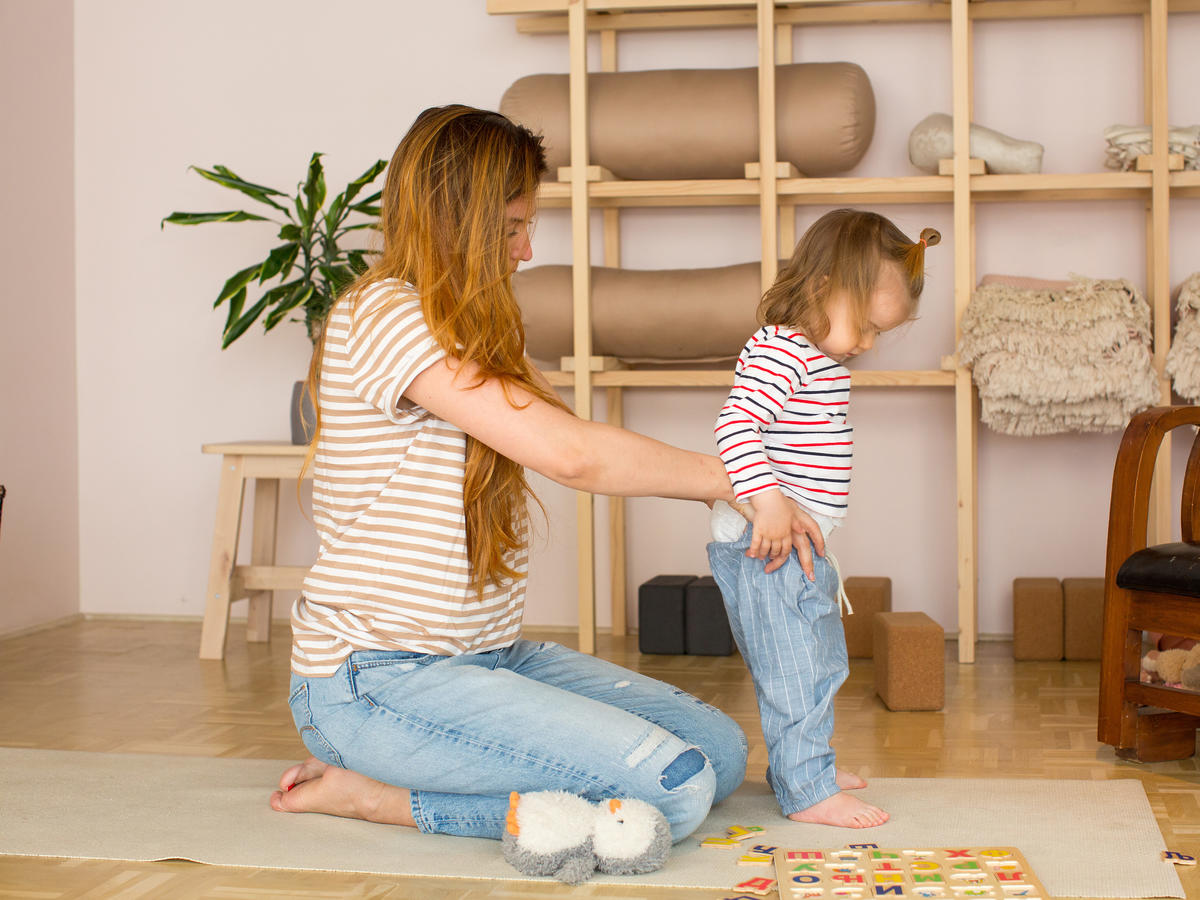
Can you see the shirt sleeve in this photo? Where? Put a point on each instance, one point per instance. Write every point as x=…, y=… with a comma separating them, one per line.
x=390, y=345
x=769, y=371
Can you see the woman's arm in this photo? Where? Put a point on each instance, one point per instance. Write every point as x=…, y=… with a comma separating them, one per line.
x=586, y=456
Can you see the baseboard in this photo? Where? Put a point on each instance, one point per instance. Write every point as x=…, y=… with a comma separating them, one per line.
x=41, y=626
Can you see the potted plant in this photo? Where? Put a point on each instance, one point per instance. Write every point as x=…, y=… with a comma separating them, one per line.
x=308, y=269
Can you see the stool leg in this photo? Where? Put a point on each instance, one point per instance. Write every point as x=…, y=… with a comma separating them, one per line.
x=266, y=518
x=224, y=556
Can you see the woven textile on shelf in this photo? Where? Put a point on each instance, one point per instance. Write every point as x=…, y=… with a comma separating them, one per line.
x=1183, y=359
x=1058, y=356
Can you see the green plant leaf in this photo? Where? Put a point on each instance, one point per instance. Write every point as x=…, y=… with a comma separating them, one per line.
x=236, y=301
x=357, y=260
x=237, y=281
x=279, y=261
x=338, y=276
x=289, y=232
x=234, y=215
x=314, y=186
x=235, y=331
x=363, y=180
x=358, y=227
x=298, y=296
x=227, y=178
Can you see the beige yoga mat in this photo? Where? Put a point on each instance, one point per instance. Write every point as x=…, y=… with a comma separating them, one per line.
x=1082, y=838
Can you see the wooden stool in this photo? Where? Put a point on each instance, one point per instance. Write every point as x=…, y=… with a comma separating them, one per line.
x=910, y=661
x=267, y=462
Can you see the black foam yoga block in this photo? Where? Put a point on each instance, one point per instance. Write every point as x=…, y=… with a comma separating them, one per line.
x=706, y=626
x=660, y=614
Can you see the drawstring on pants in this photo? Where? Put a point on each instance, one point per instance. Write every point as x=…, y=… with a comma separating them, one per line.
x=843, y=600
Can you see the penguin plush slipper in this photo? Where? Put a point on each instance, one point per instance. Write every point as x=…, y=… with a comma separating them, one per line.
x=562, y=834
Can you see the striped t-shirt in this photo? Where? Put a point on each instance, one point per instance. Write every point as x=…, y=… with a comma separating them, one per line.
x=392, y=571
x=784, y=424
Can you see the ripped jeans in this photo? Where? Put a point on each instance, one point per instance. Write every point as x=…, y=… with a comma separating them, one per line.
x=461, y=732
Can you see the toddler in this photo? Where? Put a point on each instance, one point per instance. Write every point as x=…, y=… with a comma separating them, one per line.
x=785, y=439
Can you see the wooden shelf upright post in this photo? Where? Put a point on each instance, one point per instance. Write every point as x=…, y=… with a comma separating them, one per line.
x=614, y=395
x=966, y=430
x=1158, y=265
x=768, y=197
x=581, y=306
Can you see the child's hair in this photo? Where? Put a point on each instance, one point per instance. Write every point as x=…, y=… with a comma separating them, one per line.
x=842, y=251
x=444, y=229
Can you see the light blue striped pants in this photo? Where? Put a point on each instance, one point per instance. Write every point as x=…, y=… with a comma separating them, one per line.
x=789, y=632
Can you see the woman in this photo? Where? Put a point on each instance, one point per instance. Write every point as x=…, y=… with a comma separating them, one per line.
x=411, y=686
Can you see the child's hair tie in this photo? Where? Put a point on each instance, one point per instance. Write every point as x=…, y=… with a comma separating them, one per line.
x=923, y=243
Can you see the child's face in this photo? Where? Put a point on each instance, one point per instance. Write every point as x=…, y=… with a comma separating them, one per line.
x=888, y=308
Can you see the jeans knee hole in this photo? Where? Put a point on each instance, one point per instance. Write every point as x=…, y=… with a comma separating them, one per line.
x=686, y=765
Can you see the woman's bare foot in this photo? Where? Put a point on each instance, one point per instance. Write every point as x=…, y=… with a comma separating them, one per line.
x=843, y=811
x=314, y=786
x=848, y=781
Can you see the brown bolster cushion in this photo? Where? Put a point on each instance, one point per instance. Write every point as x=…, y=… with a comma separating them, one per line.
x=703, y=123
x=660, y=316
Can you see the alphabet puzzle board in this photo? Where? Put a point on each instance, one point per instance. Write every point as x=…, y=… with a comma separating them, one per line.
x=977, y=873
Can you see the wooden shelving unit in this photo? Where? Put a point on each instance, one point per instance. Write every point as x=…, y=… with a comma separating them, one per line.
x=774, y=20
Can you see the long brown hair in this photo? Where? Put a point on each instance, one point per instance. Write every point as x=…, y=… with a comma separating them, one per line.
x=444, y=230
x=842, y=251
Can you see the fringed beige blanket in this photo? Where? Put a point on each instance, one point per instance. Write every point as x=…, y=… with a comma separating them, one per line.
x=1051, y=357
x=1183, y=359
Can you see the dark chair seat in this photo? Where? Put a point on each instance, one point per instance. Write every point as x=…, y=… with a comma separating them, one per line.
x=1163, y=569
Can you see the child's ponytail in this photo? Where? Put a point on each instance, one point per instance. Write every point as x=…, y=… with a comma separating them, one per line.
x=914, y=256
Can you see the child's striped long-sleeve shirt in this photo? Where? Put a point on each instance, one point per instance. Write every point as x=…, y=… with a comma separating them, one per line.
x=785, y=423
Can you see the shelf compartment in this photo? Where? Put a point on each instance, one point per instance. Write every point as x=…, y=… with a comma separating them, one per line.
x=724, y=378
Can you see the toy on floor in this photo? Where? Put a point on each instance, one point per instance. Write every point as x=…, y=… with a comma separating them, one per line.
x=987, y=873
x=562, y=834
x=1175, y=668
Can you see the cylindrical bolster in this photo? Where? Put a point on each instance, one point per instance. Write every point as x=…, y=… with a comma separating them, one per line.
x=703, y=123
x=666, y=315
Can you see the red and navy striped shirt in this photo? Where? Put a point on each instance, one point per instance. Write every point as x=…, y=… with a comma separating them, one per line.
x=784, y=424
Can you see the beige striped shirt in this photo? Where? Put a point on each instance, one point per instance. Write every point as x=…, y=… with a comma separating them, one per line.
x=392, y=570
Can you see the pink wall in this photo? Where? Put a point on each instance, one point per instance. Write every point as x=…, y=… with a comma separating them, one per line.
x=39, y=459
x=159, y=88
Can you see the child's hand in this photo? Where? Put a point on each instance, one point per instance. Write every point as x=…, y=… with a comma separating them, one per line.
x=806, y=535
x=772, y=539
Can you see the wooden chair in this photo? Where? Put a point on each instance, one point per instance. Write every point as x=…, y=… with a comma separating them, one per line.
x=1153, y=588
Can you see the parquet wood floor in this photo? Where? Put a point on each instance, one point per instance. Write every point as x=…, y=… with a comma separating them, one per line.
x=115, y=685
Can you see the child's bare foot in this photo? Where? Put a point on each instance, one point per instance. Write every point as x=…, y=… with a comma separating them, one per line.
x=314, y=786
x=843, y=811
x=848, y=781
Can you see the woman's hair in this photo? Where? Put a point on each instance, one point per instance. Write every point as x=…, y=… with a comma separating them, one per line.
x=842, y=251
x=444, y=230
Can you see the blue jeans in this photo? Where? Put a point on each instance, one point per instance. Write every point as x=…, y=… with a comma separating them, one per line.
x=461, y=732
x=790, y=634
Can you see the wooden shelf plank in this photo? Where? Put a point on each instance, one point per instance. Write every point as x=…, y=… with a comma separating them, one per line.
x=548, y=16
x=1186, y=184
x=896, y=189
x=724, y=378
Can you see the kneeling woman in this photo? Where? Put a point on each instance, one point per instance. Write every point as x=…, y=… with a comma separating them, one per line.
x=411, y=685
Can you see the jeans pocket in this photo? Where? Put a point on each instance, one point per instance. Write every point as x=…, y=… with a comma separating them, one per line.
x=316, y=743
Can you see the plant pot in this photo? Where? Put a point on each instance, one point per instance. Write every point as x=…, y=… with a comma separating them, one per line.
x=304, y=417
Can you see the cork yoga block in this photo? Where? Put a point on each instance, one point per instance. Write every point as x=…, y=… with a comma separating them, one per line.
x=702, y=123
x=910, y=661
x=1037, y=618
x=1083, y=617
x=868, y=596
x=636, y=315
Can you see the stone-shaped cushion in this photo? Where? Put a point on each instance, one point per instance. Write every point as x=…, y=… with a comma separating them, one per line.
x=703, y=123
x=665, y=315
